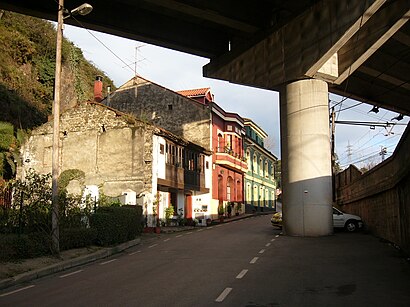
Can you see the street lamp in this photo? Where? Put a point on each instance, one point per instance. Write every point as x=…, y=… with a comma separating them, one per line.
x=83, y=9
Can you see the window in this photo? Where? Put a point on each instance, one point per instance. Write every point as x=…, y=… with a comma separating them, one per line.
x=170, y=107
x=161, y=149
x=272, y=197
x=228, y=189
x=220, y=143
x=266, y=169
x=167, y=155
x=266, y=197
x=260, y=166
x=238, y=190
x=229, y=141
x=255, y=164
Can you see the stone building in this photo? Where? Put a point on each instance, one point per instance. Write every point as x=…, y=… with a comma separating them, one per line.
x=124, y=157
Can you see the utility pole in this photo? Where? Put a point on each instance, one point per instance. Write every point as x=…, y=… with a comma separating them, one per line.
x=55, y=235
x=83, y=9
x=349, y=152
x=383, y=152
x=333, y=156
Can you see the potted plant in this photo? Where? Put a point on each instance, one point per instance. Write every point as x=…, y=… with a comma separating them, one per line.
x=221, y=213
x=169, y=213
x=237, y=208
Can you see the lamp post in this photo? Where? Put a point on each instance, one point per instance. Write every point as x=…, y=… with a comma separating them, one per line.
x=83, y=9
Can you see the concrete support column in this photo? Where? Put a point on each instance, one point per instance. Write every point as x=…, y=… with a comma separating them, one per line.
x=306, y=159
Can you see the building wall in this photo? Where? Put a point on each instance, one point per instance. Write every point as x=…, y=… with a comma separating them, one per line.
x=260, y=183
x=381, y=196
x=164, y=108
x=257, y=181
x=114, y=152
x=227, y=163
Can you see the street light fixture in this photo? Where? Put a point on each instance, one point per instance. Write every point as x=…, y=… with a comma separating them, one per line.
x=83, y=9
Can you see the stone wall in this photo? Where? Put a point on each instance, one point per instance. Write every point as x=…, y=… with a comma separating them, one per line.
x=153, y=103
x=381, y=196
x=112, y=149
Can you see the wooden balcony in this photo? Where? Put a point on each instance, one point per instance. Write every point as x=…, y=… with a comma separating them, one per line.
x=179, y=178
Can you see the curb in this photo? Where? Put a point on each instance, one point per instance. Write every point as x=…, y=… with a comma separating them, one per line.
x=67, y=264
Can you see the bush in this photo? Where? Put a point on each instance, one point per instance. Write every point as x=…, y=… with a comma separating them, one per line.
x=77, y=237
x=116, y=224
x=14, y=247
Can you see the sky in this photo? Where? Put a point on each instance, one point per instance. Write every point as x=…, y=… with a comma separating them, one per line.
x=175, y=70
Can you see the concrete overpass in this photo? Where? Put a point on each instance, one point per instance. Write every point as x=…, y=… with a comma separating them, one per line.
x=304, y=49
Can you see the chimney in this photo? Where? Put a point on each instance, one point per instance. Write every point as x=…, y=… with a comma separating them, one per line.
x=98, y=96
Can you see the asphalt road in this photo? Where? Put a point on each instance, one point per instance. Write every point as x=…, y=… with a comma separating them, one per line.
x=242, y=263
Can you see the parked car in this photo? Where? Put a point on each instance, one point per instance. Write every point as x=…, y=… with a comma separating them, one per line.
x=347, y=221
x=276, y=219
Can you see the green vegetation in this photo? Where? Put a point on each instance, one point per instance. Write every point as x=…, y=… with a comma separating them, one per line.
x=27, y=67
x=116, y=224
x=25, y=228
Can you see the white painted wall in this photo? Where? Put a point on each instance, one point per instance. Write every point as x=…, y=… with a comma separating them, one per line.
x=158, y=157
x=201, y=208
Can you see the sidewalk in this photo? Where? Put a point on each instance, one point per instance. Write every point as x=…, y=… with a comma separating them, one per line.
x=29, y=269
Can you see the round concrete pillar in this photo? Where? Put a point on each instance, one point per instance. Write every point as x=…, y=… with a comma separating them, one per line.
x=306, y=159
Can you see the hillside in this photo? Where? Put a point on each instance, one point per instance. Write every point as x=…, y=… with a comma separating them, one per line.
x=27, y=68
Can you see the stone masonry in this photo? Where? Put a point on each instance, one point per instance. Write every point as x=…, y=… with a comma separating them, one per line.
x=153, y=103
x=113, y=149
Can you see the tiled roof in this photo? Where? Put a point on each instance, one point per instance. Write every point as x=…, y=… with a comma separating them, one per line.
x=194, y=92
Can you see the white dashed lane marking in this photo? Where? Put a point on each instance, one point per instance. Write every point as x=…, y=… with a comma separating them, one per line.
x=267, y=244
x=153, y=245
x=223, y=295
x=272, y=240
x=241, y=274
x=109, y=261
x=261, y=251
x=166, y=240
x=15, y=291
x=178, y=236
x=69, y=274
x=254, y=259
x=277, y=236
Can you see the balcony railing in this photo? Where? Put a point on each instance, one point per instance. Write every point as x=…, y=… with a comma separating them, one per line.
x=226, y=156
x=230, y=152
